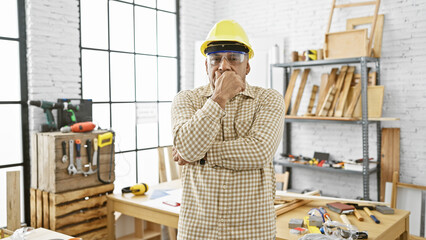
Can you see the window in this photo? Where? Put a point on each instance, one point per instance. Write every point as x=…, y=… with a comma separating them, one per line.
x=130, y=59
x=14, y=143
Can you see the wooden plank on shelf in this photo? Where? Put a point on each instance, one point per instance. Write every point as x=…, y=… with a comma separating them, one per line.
x=344, y=93
x=289, y=91
x=390, y=157
x=327, y=102
x=13, y=199
x=375, y=102
x=322, y=91
x=371, y=79
x=339, y=118
x=296, y=104
x=331, y=80
x=339, y=84
x=312, y=101
x=353, y=101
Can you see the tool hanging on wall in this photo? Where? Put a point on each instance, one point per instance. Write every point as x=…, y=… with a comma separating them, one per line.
x=71, y=168
x=105, y=140
x=79, y=127
x=89, y=157
x=138, y=189
x=64, y=152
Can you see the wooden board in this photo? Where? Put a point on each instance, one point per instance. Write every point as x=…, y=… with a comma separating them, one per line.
x=375, y=95
x=339, y=85
x=346, y=44
x=289, y=91
x=52, y=174
x=323, y=92
x=353, y=100
x=371, y=79
x=344, y=93
x=390, y=152
x=327, y=102
x=78, y=213
x=378, y=34
x=13, y=200
x=312, y=101
x=295, y=107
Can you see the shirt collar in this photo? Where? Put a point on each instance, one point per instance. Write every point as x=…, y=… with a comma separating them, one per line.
x=208, y=91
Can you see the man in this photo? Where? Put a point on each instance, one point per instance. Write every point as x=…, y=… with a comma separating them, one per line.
x=225, y=134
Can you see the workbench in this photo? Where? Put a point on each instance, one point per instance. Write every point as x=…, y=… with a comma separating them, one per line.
x=391, y=226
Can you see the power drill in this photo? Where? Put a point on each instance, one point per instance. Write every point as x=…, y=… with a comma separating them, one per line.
x=47, y=108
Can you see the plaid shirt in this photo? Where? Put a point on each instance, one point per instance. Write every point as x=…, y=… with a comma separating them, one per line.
x=229, y=195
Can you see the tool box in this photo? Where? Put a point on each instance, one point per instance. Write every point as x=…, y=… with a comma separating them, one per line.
x=49, y=171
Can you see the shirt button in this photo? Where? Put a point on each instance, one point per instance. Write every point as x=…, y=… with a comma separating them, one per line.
x=224, y=186
x=226, y=129
x=202, y=162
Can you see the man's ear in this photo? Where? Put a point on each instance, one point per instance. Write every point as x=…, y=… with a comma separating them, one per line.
x=247, y=68
x=207, y=69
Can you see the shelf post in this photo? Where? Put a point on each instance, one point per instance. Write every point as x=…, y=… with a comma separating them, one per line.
x=364, y=101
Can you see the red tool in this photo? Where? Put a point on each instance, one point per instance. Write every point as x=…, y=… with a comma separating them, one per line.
x=79, y=127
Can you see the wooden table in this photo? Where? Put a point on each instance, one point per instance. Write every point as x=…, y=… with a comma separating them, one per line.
x=395, y=226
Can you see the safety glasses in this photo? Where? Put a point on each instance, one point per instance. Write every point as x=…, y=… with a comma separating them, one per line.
x=233, y=57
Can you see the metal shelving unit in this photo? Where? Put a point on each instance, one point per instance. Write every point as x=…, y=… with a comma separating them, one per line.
x=364, y=121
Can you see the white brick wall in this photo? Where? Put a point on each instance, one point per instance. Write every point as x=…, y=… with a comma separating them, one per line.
x=303, y=22
x=196, y=19
x=53, y=54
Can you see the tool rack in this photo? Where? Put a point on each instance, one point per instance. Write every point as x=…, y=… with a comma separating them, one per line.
x=364, y=121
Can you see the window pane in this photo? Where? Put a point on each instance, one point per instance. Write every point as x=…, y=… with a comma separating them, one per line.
x=3, y=195
x=123, y=123
x=168, y=5
x=167, y=78
x=125, y=174
x=167, y=34
x=165, y=124
x=122, y=77
x=146, y=115
x=145, y=30
x=11, y=132
x=146, y=78
x=148, y=3
x=9, y=71
x=94, y=23
x=9, y=19
x=121, y=26
x=101, y=115
x=148, y=167
x=95, y=75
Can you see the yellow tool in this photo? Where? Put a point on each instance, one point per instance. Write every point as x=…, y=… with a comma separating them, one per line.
x=138, y=189
x=311, y=229
x=105, y=139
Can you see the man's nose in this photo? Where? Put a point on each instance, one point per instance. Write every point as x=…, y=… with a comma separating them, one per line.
x=224, y=65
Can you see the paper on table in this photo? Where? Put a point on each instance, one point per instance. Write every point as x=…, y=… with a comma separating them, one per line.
x=174, y=196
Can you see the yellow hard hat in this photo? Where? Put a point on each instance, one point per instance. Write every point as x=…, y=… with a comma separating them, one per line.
x=227, y=31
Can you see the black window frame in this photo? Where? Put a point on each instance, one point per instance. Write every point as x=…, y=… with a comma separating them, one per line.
x=158, y=102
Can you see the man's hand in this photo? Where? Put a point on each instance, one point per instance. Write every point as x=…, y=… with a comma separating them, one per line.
x=177, y=158
x=227, y=86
